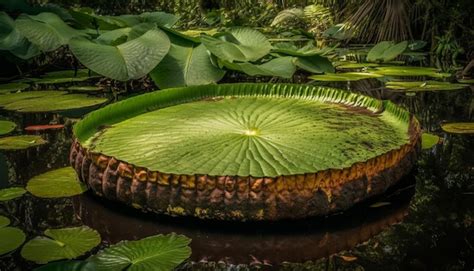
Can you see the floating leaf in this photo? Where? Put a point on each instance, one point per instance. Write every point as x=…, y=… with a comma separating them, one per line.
x=159, y=253
x=6, y=127
x=428, y=141
x=66, y=243
x=458, y=127
x=355, y=65
x=11, y=237
x=243, y=44
x=56, y=183
x=379, y=204
x=466, y=81
x=47, y=101
x=12, y=87
x=11, y=193
x=85, y=89
x=20, y=142
x=67, y=76
x=386, y=51
x=46, y=30
x=130, y=60
x=186, y=66
x=347, y=76
x=282, y=67
x=413, y=86
x=68, y=266
x=410, y=71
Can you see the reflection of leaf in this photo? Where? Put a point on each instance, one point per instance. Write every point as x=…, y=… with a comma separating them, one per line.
x=159, y=253
x=66, y=243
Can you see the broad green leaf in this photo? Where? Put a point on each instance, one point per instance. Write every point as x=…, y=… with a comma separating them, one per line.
x=281, y=67
x=355, y=65
x=11, y=237
x=159, y=253
x=59, y=244
x=315, y=64
x=160, y=18
x=12, y=87
x=6, y=127
x=186, y=66
x=65, y=76
x=409, y=71
x=47, y=101
x=428, y=141
x=88, y=19
x=386, y=51
x=338, y=32
x=11, y=193
x=20, y=142
x=56, y=183
x=130, y=60
x=4, y=221
x=458, y=127
x=346, y=76
x=243, y=44
x=85, y=89
x=46, y=30
x=13, y=41
x=260, y=130
x=417, y=86
x=68, y=266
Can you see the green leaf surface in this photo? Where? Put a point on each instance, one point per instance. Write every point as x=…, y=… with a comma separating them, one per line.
x=355, y=65
x=12, y=40
x=159, y=253
x=244, y=44
x=56, y=183
x=68, y=266
x=458, y=128
x=409, y=71
x=130, y=60
x=85, y=89
x=6, y=127
x=186, y=66
x=65, y=76
x=428, y=141
x=315, y=64
x=11, y=237
x=245, y=129
x=47, y=101
x=419, y=86
x=4, y=221
x=11, y=193
x=386, y=51
x=46, y=30
x=281, y=67
x=346, y=76
x=59, y=244
x=20, y=142
x=12, y=87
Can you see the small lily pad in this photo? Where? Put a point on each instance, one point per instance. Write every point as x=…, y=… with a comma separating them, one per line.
x=11, y=237
x=68, y=266
x=413, y=86
x=85, y=89
x=428, y=141
x=347, y=76
x=21, y=142
x=61, y=77
x=466, y=81
x=355, y=65
x=47, y=101
x=66, y=243
x=410, y=71
x=57, y=183
x=6, y=127
x=159, y=252
x=12, y=87
x=458, y=127
x=11, y=193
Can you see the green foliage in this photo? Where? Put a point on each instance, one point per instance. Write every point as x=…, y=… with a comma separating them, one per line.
x=56, y=183
x=6, y=127
x=409, y=71
x=20, y=142
x=11, y=237
x=66, y=243
x=282, y=67
x=416, y=86
x=346, y=76
x=11, y=193
x=67, y=266
x=386, y=51
x=458, y=127
x=159, y=252
x=428, y=141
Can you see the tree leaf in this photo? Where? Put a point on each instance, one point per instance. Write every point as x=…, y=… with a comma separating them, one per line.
x=186, y=66
x=281, y=67
x=66, y=243
x=130, y=60
x=159, y=253
x=11, y=193
x=56, y=183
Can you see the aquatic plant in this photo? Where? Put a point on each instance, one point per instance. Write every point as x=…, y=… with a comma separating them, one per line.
x=56, y=184
x=11, y=193
x=11, y=237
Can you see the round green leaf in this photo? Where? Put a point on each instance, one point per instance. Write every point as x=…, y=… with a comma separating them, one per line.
x=409, y=71
x=61, y=77
x=428, y=141
x=458, y=127
x=347, y=76
x=4, y=221
x=11, y=237
x=417, y=86
x=159, y=253
x=12, y=87
x=47, y=101
x=11, y=193
x=6, y=127
x=57, y=183
x=20, y=142
x=66, y=243
x=130, y=60
x=68, y=266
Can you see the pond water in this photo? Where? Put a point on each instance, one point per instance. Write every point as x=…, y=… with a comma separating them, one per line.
x=423, y=223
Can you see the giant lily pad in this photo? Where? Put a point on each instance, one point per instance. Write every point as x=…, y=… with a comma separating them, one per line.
x=410, y=71
x=20, y=142
x=66, y=243
x=415, y=86
x=233, y=134
x=11, y=193
x=61, y=77
x=346, y=76
x=56, y=184
x=47, y=101
x=12, y=87
x=458, y=127
x=6, y=127
x=160, y=253
x=11, y=237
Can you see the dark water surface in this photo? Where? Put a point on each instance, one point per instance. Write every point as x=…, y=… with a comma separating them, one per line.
x=426, y=222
